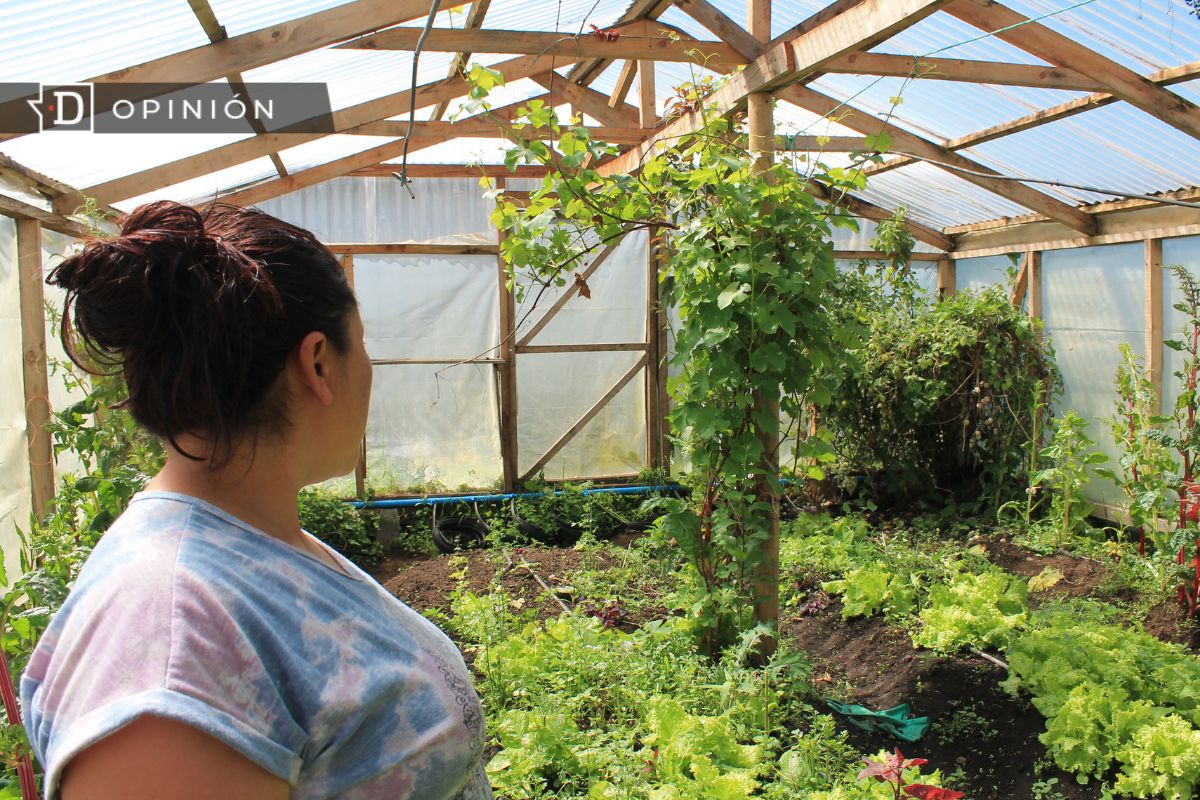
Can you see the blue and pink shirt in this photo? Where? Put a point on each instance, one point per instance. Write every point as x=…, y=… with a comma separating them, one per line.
x=319, y=676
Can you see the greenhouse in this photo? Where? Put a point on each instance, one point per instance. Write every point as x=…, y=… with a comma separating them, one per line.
x=766, y=399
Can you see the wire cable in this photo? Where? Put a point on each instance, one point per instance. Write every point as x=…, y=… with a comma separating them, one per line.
x=402, y=175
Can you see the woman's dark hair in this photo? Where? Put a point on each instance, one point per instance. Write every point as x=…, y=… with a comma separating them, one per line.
x=199, y=312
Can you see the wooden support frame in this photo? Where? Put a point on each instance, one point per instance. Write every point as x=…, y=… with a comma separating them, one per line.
x=1153, y=267
x=655, y=455
x=1054, y=48
x=566, y=296
x=479, y=9
x=254, y=49
x=647, y=99
x=1164, y=77
x=346, y=260
x=414, y=249
x=942, y=157
x=506, y=369
x=590, y=347
x=1021, y=286
x=1034, y=292
x=34, y=369
x=344, y=121
x=587, y=417
x=947, y=278
x=857, y=28
x=637, y=40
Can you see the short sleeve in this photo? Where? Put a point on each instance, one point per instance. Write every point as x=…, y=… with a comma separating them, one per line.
x=142, y=634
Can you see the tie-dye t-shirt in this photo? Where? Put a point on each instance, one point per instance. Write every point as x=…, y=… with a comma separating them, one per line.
x=318, y=676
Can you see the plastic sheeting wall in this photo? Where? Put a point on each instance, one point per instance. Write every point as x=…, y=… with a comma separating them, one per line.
x=435, y=426
x=1184, y=251
x=14, y=458
x=1093, y=301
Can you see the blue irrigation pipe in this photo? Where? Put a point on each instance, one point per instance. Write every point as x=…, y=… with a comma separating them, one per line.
x=404, y=502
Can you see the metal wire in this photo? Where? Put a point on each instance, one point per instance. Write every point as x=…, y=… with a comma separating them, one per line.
x=402, y=175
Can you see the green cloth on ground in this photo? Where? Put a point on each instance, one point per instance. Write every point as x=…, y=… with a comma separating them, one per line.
x=896, y=721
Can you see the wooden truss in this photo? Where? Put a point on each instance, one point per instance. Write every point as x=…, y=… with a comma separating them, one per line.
x=837, y=39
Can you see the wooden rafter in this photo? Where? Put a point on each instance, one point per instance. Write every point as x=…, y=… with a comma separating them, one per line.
x=942, y=157
x=454, y=171
x=488, y=128
x=566, y=296
x=479, y=9
x=586, y=71
x=725, y=29
x=1054, y=48
x=1163, y=77
x=344, y=120
x=859, y=27
x=959, y=69
x=867, y=210
x=636, y=40
x=624, y=84
x=216, y=33
x=239, y=53
x=588, y=100
x=586, y=417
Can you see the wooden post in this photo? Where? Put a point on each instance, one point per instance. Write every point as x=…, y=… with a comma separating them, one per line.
x=507, y=370
x=360, y=469
x=647, y=108
x=1154, y=319
x=947, y=278
x=1035, y=284
x=33, y=365
x=664, y=345
x=654, y=422
x=766, y=572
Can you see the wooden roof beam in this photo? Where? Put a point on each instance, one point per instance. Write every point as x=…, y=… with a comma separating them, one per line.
x=216, y=33
x=345, y=120
x=588, y=100
x=1054, y=48
x=868, y=125
x=249, y=50
x=586, y=71
x=1163, y=77
x=453, y=171
x=959, y=69
x=859, y=27
x=490, y=129
x=725, y=29
x=479, y=9
x=862, y=208
x=636, y=40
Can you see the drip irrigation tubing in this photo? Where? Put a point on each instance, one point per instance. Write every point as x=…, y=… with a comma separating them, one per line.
x=404, y=502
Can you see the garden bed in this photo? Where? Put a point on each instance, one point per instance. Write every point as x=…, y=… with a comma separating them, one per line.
x=983, y=739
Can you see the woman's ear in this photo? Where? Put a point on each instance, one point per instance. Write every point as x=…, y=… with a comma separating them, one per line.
x=312, y=366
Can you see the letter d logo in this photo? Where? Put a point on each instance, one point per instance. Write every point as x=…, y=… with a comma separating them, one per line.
x=67, y=107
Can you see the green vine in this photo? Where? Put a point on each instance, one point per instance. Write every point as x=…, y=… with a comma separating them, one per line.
x=750, y=269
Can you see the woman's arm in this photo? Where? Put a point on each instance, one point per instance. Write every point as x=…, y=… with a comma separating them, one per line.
x=159, y=759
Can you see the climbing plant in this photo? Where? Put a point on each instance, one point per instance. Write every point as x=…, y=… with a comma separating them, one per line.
x=749, y=268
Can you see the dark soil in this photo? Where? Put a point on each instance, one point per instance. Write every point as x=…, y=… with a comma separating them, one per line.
x=976, y=726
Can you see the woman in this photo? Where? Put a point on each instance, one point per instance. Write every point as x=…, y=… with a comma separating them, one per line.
x=211, y=648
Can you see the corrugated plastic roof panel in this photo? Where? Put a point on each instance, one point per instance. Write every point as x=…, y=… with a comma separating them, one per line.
x=65, y=41
x=1113, y=148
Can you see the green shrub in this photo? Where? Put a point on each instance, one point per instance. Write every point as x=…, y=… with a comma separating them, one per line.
x=340, y=525
x=941, y=396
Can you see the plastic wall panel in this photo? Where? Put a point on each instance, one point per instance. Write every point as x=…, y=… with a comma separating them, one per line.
x=979, y=273
x=14, y=459
x=428, y=306
x=381, y=210
x=1093, y=301
x=1184, y=251
x=430, y=427
x=555, y=390
x=616, y=310
x=56, y=246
